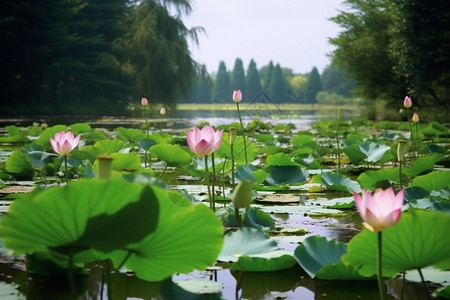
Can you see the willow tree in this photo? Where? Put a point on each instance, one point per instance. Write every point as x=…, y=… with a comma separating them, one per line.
x=155, y=53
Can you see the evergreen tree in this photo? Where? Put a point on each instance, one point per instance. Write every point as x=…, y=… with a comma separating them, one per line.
x=278, y=86
x=222, y=90
x=201, y=91
x=253, y=81
x=238, y=77
x=266, y=72
x=313, y=86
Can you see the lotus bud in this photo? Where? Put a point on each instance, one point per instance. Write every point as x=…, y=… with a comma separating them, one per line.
x=415, y=118
x=104, y=166
x=144, y=102
x=402, y=147
x=237, y=96
x=233, y=135
x=407, y=103
x=242, y=195
x=162, y=112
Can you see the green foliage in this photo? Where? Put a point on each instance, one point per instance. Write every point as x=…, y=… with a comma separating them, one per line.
x=419, y=240
x=223, y=92
x=238, y=77
x=172, y=154
x=313, y=86
x=253, y=81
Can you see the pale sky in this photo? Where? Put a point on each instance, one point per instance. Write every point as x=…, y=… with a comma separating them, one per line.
x=293, y=33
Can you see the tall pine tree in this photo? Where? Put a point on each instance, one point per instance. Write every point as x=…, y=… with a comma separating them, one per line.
x=238, y=76
x=313, y=86
x=253, y=81
x=222, y=90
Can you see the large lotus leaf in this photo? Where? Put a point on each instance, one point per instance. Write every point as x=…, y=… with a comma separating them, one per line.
x=190, y=290
x=354, y=153
x=373, y=151
x=265, y=262
x=130, y=134
x=238, y=149
x=321, y=258
x=340, y=183
x=246, y=241
x=286, y=174
x=258, y=219
x=78, y=128
x=378, y=179
x=244, y=172
x=39, y=159
x=172, y=154
x=146, y=144
x=423, y=164
x=125, y=162
x=433, y=181
x=44, y=137
x=19, y=163
x=281, y=160
x=108, y=146
x=443, y=292
x=104, y=215
x=419, y=240
x=303, y=141
x=186, y=238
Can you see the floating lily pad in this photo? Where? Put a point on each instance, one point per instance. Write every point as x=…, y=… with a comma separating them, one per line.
x=341, y=183
x=321, y=258
x=246, y=241
x=300, y=209
x=172, y=154
x=269, y=261
x=433, y=181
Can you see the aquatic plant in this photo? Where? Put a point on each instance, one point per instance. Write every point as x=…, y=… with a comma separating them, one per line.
x=380, y=211
x=63, y=144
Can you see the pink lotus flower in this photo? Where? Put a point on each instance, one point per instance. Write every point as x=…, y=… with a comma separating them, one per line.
x=380, y=211
x=237, y=96
x=64, y=143
x=144, y=102
x=407, y=103
x=204, y=142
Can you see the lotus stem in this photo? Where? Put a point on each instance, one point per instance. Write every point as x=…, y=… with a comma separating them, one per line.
x=147, y=128
x=400, y=176
x=164, y=171
x=232, y=165
x=422, y=279
x=124, y=260
x=417, y=140
x=412, y=134
x=337, y=138
x=213, y=194
x=379, y=265
x=207, y=181
x=67, y=173
x=238, y=217
x=243, y=135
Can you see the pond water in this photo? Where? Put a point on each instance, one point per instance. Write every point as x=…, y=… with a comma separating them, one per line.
x=292, y=283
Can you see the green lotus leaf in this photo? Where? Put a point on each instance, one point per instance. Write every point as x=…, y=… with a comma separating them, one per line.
x=108, y=146
x=19, y=163
x=312, y=210
x=172, y=154
x=286, y=174
x=187, y=237
x=303, y=141
x=433, y=181
x=354, y=153
x=103, y=215
x=130, y=134
x=443, y=292
x=126, y=162
x=146, y=144
x=269, y=261
x=373, y=151
x=187, y=291
x=238, y=149
x=245, y=172
x=78, y=128
x=10, y=291
x=374, y=179
x=258, y=219
x=419, y=240
x=321, y=258
x=280, y=159
x=340, y=183
x=246, y=241
x=423, y=164
x=44, y=137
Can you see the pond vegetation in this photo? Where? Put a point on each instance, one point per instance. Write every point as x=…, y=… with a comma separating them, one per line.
x=282, y=223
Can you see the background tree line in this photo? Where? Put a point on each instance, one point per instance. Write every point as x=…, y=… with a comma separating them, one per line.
x=99, y=56
x=278, y=84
